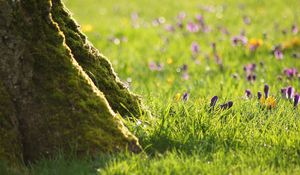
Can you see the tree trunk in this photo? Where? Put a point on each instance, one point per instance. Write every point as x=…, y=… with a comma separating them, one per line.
x=57, y=92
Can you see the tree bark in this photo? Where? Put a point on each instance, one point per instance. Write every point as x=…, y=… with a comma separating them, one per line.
x=57, y=92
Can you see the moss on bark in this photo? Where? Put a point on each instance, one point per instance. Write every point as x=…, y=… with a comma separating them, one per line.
x=56, y=105
x=10, y=145
x=96, y=65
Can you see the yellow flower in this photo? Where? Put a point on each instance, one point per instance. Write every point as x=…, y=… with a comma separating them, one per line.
x=262, y=100
x=177, y=97
x=270, y=102
x=170, y=80
x=255, y=42
x=294, y=42
x=87, y=28
x=169, y=61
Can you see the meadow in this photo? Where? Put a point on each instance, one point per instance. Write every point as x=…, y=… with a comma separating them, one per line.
x=178, y=55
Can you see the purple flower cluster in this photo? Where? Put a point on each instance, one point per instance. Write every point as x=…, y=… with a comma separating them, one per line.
x=287, y=92
x=194, y=26
x=185, y=74
x=217, y=58
x=195, y=48
x=239, y=40
x=248, y=93
x=223, y=106
x=290, y=94
x=250, y=72
x=156, y=66
x=295, y=29
x=290, y=72
x=278, y=53
x=185, y=96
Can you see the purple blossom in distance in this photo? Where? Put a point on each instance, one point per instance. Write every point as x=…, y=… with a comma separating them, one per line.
x=249, y=68
x=181, y=16
x=290, y=72
x=277, y=51
x=185, y=76
x=156, y=67
x=284, y=92
x=247, y=20
x=170, y=28
x=192, y=27
x=266, y=90
x=278, y=54
x=295, y=29
x=236, y=40
x=195, y=48
x=227, y=105
x=290, y=92
x=213, y=101
x=185, y=97
x=259, y=94
x=230, y=104
x=248, y=93
x=200, y=20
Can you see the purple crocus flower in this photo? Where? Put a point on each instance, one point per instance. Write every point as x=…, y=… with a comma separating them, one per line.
x=152, y=66
x=251, y=77
x=284, y=92
x=213, y=101
x=185, y=75
x=156, y=67
x=295, y=29
x=184, y=67
x=227, y=105
x=134, y=16
x=180, y=24
x=248, y=93
x=224, y=106
x=230, y=104
x=243, y=39
x=290, y=92
x=266, y=90
x=170, y=28
x=200, y=20
x=252, y=48
x=181, y=16
x=185, y=97
x=249, y=68
x=259, y=95
x=192, y=27
x=160, y=67
x=235, y=40
x=278, y=53
x=290, y=72
x=247, y=20
x=239, y=39
x=296, y=100
x=195, y=48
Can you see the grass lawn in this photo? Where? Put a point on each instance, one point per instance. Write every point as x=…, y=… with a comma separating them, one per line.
x=179, y=54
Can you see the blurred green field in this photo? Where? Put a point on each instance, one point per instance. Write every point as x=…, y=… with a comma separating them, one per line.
x=153, y=56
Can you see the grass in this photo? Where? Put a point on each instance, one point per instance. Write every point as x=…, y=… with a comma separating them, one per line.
x=184, y=137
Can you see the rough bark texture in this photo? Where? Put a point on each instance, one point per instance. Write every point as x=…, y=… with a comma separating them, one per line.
x=56, y=91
